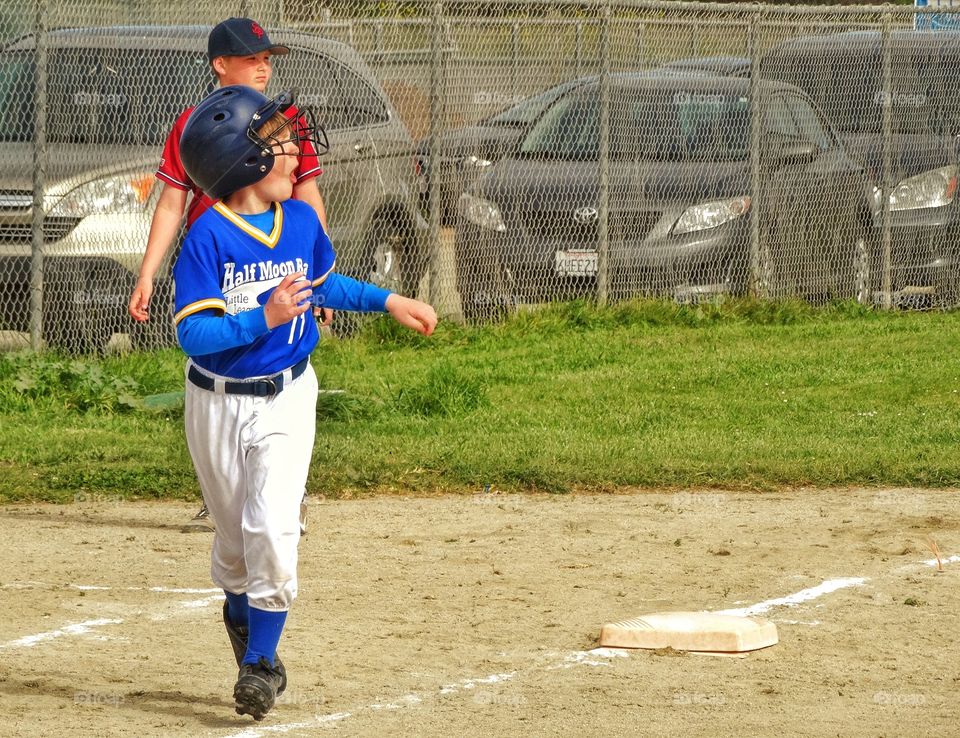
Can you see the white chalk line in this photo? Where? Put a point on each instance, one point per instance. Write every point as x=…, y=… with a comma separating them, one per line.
x=804, y=595
x=948, y=560
x=101, y=588
x=597, y=657
x=317, y=722
x=84, y=628
x=90, y=628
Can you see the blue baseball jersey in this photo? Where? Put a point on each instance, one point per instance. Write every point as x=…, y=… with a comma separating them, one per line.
x=228, y=266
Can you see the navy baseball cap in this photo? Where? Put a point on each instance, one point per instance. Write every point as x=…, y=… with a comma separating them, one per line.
x=240, y=37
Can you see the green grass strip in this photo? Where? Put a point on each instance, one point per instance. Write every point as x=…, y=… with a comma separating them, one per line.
x=744, y=395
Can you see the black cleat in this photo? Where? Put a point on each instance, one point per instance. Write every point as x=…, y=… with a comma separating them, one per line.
x=238, y=639
x=256, y=689
x=202, y=522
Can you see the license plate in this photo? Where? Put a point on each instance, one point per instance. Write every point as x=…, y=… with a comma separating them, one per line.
x=576, y=263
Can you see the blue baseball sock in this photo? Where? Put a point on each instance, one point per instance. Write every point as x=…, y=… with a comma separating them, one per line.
x=237, y=608
x=265, y=629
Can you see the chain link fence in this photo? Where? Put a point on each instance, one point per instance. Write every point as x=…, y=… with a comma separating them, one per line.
x=488, y=156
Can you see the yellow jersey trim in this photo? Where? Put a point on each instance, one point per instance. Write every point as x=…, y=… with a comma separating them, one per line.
x=210, y=303
x=270, y=240
x=320, y=280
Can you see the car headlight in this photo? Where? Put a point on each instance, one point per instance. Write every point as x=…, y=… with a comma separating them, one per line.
x=127, y=194
x=475, y=161
x=482, y=213
x=711, y=214
x=932, y=189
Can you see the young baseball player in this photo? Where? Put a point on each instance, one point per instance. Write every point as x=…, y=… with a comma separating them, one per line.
x=240, y=53
x=249, y=270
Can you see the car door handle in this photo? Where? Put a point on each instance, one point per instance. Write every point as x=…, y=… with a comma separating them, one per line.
x=359, y=148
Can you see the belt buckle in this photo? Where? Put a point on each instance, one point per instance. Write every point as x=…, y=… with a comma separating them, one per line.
x=268, y=385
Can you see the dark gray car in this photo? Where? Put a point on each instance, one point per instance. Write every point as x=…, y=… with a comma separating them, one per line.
x=113, y=94
x=843, y=73
x=680, y=200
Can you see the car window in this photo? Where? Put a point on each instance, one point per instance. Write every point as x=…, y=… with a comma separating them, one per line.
x=945, y=100
x=923, y=94
x=650, y=125
x=849, y=104
x=712, y=126
x=526, y=112
x=809, y=124
x=340, y=96
x=778, y=120
x=16, y=107
x=569, y=130
x=102, y=96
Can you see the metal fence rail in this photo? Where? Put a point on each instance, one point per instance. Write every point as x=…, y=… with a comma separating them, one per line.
x=487, y=156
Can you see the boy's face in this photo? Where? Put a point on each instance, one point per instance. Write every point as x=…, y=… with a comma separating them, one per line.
x=253, y=71
x=277, y=186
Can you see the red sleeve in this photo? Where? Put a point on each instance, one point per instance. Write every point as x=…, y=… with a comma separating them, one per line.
x=171, y=169
x=308, y=165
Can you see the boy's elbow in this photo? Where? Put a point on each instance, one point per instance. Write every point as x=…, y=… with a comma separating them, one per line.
x=185, y=338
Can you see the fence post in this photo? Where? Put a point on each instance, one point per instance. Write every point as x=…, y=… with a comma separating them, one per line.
x=603, y=162
x=434, y=153
x=886, y=184
x=515, y=65
x=579, y=48
x=758, y=286
x=39, y=177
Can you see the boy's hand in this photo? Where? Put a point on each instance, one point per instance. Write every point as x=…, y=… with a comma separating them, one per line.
x=289, y=299
x=412, y=313
x=139, y=307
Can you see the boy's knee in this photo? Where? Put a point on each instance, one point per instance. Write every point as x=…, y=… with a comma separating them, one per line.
x=272, y=596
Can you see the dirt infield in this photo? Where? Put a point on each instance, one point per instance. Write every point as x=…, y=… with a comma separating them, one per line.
x=477, y=616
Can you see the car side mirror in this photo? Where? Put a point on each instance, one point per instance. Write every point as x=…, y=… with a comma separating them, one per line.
x=779, y=153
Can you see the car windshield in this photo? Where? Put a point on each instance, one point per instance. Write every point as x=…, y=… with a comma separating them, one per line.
x=923, y=96
x=527, y=111
x=649, y=125
x=103, y=96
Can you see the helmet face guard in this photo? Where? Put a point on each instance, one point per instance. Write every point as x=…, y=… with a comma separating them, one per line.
x=221, y=148
x=300, y=130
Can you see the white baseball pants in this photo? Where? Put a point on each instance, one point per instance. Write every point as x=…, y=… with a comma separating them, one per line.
x=252, y=455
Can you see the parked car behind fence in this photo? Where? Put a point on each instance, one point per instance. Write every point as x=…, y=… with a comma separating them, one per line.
x=680, y=200
x=844, y=74
x=112, y=96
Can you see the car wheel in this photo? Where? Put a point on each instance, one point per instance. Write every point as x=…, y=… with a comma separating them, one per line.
x=391, y=259
x=77, y=316
x=947, y=295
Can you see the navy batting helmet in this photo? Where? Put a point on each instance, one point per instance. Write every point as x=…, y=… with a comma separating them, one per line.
x=220, y=147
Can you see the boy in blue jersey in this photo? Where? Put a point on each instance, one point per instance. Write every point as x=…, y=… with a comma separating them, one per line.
x=249, y=271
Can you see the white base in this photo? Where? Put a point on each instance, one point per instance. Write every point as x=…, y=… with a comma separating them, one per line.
x=691, y=631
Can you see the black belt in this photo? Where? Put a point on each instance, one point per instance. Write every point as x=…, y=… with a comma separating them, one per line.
x=266, y=387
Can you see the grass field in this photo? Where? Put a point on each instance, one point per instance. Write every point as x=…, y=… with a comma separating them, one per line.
x=743, y=396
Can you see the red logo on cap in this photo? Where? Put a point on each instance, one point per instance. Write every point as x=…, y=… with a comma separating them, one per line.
x=257, y=30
